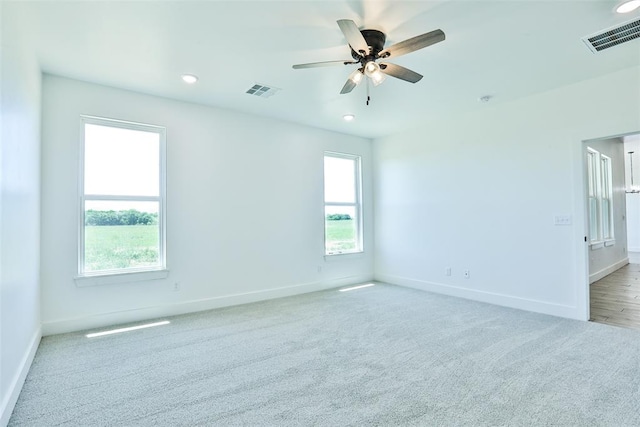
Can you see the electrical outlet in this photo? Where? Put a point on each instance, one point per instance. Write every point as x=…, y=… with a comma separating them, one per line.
x=176, y=286
x=467, y=274
x=319, y=269
x=447, y=271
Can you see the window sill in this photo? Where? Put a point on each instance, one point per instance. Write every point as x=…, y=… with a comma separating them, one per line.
x=115, y=278
x=344, y=256
x=602, y=244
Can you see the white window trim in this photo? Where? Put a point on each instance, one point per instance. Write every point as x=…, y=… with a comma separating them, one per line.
x=593, y=160
x=606, y=176
x=598, y=180
x=122, y=275
x=344, y=256
x=357, y=206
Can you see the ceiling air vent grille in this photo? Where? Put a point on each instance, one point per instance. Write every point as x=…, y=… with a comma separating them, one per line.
x=613, y=36
x=262, y=90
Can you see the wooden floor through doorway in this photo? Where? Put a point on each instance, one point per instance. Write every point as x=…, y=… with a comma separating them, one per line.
x=615, y=299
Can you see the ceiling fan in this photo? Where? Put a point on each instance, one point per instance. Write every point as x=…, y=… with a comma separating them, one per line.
x=367, y=47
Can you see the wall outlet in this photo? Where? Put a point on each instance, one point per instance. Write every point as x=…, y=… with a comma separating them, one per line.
x=467, y=274
x=319, y=269
x=176, y=287
x=447, y=271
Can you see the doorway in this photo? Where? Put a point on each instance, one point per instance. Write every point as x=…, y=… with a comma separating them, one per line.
x=614, y=258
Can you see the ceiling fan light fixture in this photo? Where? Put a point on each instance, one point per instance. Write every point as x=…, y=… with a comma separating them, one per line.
x=377, y=77
x=357, y=76
x=370, y=68
x=628, y=6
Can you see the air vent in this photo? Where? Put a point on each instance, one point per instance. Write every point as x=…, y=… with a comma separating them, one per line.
x=262, y=90
x=613, y=36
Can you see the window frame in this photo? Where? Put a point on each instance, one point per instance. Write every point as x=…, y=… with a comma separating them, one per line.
x=606, y=195
x=357, y=205
x=600, y=190
x=593, y=182
x=122, y=274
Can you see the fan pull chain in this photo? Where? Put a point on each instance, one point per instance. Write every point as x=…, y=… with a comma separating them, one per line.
x=368, y=97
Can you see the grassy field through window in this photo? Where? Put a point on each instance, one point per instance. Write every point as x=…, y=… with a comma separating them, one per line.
x=114, y=247
x=340, y=235
x=121, y=246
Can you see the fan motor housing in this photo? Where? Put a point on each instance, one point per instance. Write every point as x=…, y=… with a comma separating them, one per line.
x=375, y=39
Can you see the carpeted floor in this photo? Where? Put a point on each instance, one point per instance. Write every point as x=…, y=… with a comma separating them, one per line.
x=382, y=355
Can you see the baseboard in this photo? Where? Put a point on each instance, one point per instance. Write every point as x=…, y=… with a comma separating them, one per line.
x=146, y=313
x=543, y=307
x=634, y=249
x=608, y=270
x=10, y=399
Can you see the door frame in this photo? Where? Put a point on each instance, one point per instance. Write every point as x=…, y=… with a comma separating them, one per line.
x=582, y=224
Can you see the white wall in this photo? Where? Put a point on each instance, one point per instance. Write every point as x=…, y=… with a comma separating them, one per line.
x=480, y=192
x=633, y=199
x=607, y=259
x=245, y=209
x=19, y=211
x=633, y=221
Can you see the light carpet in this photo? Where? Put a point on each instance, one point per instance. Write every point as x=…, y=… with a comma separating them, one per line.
x=382, y=355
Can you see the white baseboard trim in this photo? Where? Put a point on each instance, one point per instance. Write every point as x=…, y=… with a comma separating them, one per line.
x=608, y=270
x=146, y=313
x=635, y=249
x=10, y=399
x=543, y=307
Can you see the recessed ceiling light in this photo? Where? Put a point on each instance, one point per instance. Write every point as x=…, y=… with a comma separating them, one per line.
x=189, y=78
x=349, y=117
x=628, y=6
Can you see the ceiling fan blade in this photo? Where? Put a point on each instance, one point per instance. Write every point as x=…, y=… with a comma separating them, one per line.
x=323, y=64
x=412, y=44
x=354, y=36
x=400, y=72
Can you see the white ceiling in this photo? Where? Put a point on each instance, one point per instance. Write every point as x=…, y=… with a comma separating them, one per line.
x=506, y=49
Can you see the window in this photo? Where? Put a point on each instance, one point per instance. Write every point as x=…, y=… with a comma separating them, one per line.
x=600, y=197
x=342, y=204
x=607, y=201
x=122, y=190
x=594, y=211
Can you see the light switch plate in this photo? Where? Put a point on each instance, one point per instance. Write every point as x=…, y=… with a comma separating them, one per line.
x=562, y=220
